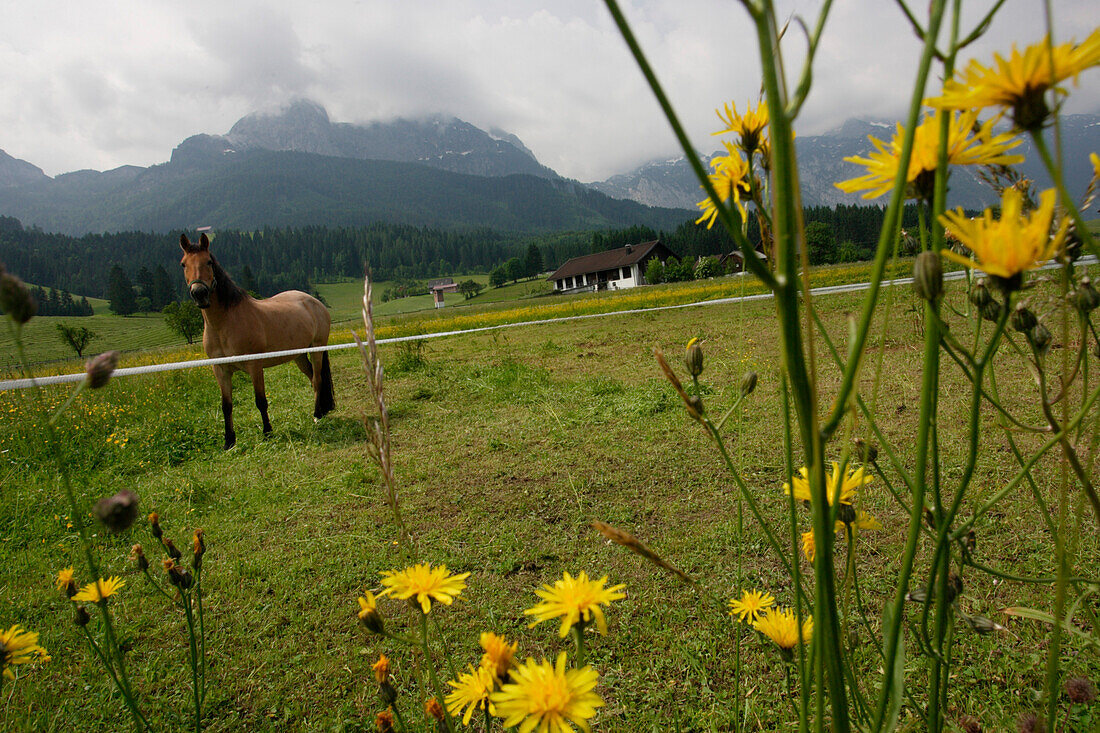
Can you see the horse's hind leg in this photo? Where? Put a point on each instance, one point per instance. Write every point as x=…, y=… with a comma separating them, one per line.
x=225, y=385
x=302, y=360
x=324, y=399
x=257, y=374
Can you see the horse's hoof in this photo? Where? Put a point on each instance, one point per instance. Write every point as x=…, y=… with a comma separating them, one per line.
x=316, y=420
x=230, y=446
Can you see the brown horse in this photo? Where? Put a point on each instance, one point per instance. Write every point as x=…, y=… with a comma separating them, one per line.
x=236, y=323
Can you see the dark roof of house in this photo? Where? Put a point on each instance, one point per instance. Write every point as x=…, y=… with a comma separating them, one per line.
x=610, y=259
x=440, y=281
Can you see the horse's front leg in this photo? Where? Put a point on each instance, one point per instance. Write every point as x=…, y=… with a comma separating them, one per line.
x=225, y=385
x=257, y=373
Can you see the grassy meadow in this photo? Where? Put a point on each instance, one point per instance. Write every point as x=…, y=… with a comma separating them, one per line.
x=507, y=445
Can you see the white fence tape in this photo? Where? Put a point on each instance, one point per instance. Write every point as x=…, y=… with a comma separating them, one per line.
x=152, y=368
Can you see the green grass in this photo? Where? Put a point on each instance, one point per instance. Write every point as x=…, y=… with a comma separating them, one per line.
x=507, y=445
x=147, y=331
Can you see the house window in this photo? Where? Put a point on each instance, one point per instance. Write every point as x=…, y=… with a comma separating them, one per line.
x=626, y=273
x=569, y=282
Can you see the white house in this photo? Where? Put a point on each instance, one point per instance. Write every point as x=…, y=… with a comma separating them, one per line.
x=612, y=269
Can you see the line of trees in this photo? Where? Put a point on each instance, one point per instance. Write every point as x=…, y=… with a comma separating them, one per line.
x=55, y=302
x=272, y=259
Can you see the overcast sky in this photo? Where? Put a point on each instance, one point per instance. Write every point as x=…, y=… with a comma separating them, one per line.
x=97, y=85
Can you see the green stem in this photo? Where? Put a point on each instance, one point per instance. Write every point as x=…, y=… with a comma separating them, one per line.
x=194, y=659
x=437, y=688
x=578, y=638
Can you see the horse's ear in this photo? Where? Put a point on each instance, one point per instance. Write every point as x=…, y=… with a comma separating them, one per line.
x=185, y=243
x=204, y=242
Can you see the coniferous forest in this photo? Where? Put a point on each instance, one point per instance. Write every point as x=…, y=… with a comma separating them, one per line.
x=272, y=259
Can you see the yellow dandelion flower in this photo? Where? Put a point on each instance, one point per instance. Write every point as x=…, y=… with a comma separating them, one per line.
x=100, y=590
x=471, y=692
x=809, y=546
x=1020, y=82
x=1012, y=244
x=730, y=180
x=64, y=577
x=1095, y=160
x=548, y=698
x=751, y=604
x=847, y=485
x=781, y=626
x=866, y=521
x=425, y=583
x=749, y=127
x=965, y=146
x=499, y=655
x=574, y=599
x=19, y=646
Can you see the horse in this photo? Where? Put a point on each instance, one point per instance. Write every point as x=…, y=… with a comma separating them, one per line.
x=236, y=323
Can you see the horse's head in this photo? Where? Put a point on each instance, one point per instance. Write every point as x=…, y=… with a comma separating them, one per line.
x=198, y=269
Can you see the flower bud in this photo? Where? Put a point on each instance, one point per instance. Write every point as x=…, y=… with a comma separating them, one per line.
x=180, y=577
x=928, y=276
x=867, y=452
x=693, y=358
x=991, y=311
x=980, y=295
x=1085, y=297
x=1022, y=319
x=383, y=722
x=98, y=371
x=137, y=554
x=387, y=692
x=369, y=616
x=381, y=670
x=748, y=383
x=954, y=586
x=971, y=541
x=154, y=525
x=846, y=513
x=695, y=407
x=1031, y=723
x=15, y=299
x=80, y=616
x=117, y=512
x=172, y=550
x=1080, y=690
x=1040, y=337
x=984, y=625
x=198, y=545
x=433, y=709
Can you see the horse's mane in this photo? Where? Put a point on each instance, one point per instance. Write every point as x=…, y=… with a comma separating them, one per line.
x=229, y=293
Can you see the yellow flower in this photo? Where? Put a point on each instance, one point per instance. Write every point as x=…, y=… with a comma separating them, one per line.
x=64, y=577
x=381, y=669
x=865, y=521
x=548, y=697
x=749, y=127
x=730, y=180
x=499, y=654
x=809, y=545
x=751, y=605
x=1095, y=160
x=781, y=626
x=574, y=599
x=848, y=484
x=101, y=590
x=1020, y=82
x=964, y=147
x=424, y=582
x=1014, y=243
x=471, y=691
x=18, y=646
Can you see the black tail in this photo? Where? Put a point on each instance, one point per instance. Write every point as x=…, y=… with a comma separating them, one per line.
x=326, y=400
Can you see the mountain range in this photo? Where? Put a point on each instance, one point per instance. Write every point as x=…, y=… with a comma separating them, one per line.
x=672, y=183
x=296, y=167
